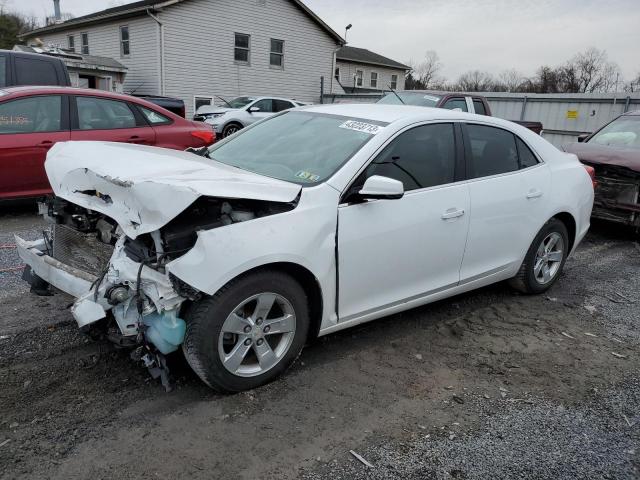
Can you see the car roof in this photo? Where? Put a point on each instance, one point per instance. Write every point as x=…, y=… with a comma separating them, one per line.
x=632, y=113
x=392, y=113
x=34, y=89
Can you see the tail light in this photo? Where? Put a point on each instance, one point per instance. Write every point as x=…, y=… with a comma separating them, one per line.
x=592, y=173
x=207, y=136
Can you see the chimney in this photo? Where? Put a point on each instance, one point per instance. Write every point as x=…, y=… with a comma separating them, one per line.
x=56, y=10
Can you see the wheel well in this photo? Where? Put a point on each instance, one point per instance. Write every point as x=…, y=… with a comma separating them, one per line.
x=570, y=223
x=233, y=122
x=310, y=285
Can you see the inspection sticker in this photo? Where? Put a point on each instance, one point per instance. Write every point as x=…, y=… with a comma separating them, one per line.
x=361, y=127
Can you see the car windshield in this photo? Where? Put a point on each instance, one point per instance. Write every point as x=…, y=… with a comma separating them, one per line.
x=622, y=132
x=241, y=102
x=410, y=98
x=300, y=147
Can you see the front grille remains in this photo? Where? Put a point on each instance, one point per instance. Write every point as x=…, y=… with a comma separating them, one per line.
x=80, y=250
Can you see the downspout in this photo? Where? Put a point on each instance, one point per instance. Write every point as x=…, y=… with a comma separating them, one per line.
x=334, y=62
x=161, y=50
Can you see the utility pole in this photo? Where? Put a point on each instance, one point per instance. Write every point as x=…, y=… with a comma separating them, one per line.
x=346, y=30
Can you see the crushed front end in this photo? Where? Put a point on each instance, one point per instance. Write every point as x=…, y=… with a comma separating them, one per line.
x=617, y=194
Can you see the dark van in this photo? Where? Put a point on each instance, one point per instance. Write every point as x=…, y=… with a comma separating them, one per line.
x=19, y=68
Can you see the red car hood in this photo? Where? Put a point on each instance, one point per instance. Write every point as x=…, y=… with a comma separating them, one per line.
x=599, y=154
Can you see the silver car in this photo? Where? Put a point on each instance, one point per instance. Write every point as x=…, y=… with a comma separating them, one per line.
x=241, y=112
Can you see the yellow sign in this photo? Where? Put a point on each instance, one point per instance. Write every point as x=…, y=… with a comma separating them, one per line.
x=573, y=114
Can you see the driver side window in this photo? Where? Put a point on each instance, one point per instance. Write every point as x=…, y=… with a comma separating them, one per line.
x=422, y=157
x=265, y=105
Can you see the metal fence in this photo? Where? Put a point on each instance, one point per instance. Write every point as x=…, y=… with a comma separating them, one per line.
x=563, y=116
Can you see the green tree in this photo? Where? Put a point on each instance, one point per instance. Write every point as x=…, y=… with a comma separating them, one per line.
x=11, y=25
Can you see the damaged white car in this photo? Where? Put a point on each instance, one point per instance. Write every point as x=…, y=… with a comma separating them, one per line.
x=308, y=222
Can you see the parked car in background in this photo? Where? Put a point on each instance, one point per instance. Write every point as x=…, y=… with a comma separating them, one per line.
x=174, y=105
x=315, y=220
x=242, y=112
x=463, y=102
x=33, y=119
x=19, y=68
x=614, y=153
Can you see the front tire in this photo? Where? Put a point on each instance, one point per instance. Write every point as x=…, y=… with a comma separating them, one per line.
x=545, y=259
x=231, y=129
x=248, y=333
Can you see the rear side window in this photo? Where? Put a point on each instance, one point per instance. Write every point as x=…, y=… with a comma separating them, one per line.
x=31, y=115
x=153, y=117
x=478, y=106
x=31, y=71
x=280, y=105
x=493, y=151
x=527, y=158
x=103, y=114
x=3, y=71
x=421, y=157
x=454, y=103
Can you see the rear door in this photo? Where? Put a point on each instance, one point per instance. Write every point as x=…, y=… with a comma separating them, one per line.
x=110, y=120
x=29, y=127
x=508, y=188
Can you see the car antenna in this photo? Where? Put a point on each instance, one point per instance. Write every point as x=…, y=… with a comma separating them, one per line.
x=218, y=96
x=396, y=94
x=136, y=89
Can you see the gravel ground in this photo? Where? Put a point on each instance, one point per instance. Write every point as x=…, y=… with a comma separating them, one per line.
x=485, y=385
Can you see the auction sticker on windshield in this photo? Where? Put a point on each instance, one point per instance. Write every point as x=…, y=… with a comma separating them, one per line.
x=431, y=97
x=361, y=127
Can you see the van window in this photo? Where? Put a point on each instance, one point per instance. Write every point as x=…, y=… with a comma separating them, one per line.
x=30, y=115
x=3, y=71
x=32, y=71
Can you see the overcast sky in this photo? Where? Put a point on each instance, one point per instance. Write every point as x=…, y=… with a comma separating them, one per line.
x=491, y=35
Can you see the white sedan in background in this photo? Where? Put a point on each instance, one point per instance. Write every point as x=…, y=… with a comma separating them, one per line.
x=309, y=222
x=242, y=112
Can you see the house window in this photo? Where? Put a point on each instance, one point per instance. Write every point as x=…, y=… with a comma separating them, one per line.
x=124, y=41
x=200, y=102
x=336, y=73
x=276, y=56
x=394, y=82
x=85, y=43
x=241, y=50
x=359, y=75
x=374, y=80
x=71, y=43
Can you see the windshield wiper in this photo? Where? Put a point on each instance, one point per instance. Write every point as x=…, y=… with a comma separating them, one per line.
x=396, y=94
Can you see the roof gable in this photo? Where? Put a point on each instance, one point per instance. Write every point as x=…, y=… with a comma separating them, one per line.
x=138, y=8
x=362, y=55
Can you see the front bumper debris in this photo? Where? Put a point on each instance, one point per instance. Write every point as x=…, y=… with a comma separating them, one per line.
x=151, y=307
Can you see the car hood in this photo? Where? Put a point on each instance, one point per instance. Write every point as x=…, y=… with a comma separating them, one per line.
x=144, y=188
x=207, y=110
x=601, y=154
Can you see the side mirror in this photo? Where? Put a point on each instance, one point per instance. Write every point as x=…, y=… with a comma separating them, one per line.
x=378, y=187
x=254, y=109
x=583, y=137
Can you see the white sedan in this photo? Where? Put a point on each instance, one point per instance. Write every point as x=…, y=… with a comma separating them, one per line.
x=311, y=221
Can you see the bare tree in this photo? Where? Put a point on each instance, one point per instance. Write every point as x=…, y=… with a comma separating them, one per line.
x=510, y=80
x=425, y=74
x=592, y=72
x=475, y=81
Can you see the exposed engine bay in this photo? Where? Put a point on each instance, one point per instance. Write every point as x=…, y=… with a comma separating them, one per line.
x=132, y=299
x=617, y=195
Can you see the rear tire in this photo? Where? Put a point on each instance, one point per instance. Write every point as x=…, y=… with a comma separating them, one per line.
x=235, y=341
x=545, y=259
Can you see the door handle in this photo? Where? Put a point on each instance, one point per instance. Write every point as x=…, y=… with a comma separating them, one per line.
x=535, y=193
x=452, y=213
x=46, y=143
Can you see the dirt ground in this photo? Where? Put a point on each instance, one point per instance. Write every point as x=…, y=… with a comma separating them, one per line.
x=486, y=385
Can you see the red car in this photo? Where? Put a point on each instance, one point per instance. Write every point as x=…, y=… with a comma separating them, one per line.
x=32, y=119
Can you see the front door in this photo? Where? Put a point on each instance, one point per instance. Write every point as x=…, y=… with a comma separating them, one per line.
x=392, y=251
x=266, y=110
x=29, y=127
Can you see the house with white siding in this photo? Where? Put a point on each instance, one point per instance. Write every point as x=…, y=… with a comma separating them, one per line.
x=198, y=50
x=359, y=70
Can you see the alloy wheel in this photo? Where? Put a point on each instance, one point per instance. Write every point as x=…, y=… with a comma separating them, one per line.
x=549, y=257
x=257, y=334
